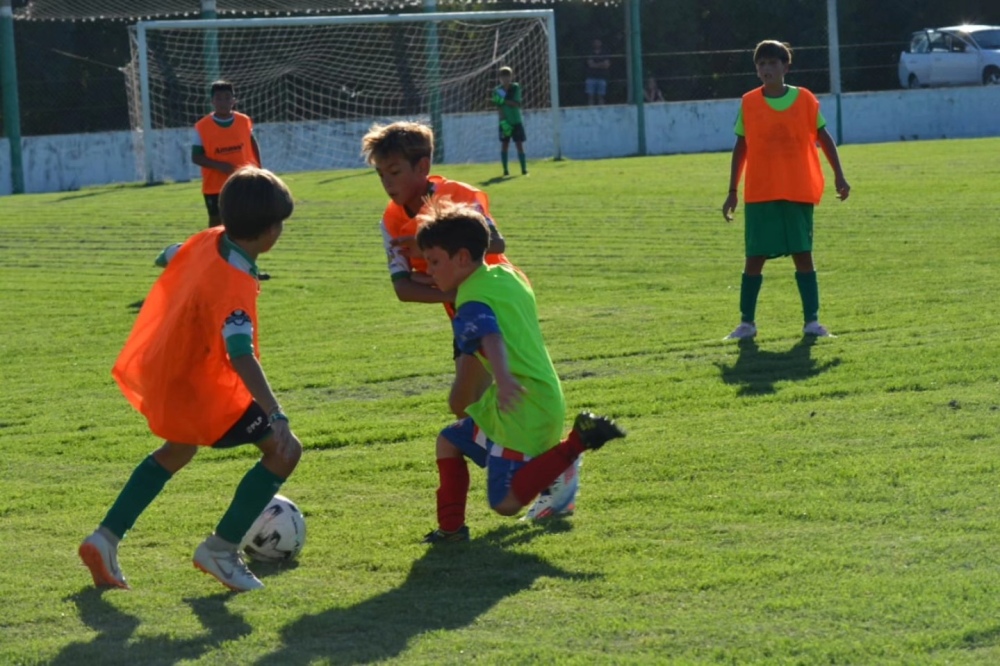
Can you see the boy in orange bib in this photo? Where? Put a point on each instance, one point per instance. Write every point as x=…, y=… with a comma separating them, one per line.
x=190, y=367
x=776, y=135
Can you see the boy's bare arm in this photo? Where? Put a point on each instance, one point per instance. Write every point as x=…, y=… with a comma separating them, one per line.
x=497, y=243
x=249, y=370
x=509, y=390
x=410, y=291
x=735, y=173
x=209, y=163
x=256, y=149
x=829, y=147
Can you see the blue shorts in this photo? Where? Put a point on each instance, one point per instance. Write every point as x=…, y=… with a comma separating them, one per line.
x=595, y=87
x=501, y=464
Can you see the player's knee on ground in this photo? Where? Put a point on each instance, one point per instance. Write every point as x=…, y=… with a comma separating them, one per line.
x=508, y=506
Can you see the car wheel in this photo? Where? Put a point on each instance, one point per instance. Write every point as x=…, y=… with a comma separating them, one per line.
x=991, y=76
x=912, y=82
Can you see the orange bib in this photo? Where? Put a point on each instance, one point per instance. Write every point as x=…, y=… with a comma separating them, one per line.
x=782, y=161
x=174, y=368
x=225, y=144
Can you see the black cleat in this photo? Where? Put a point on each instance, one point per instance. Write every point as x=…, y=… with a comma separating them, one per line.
x=440, y=536
x=596, y=431
x=262, y=276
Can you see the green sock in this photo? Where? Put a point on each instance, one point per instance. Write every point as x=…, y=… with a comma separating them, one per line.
x=503, y=160
x=809, y=291
x=524, y=162
x=256, y=489
x=749, y=290
x=142, y=488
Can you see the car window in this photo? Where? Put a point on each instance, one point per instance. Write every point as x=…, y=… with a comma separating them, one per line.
x=938, y=42
x=956, y=44
x=919, y=43
x=987, y=39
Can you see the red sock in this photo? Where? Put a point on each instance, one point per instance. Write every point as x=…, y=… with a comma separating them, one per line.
x=451, y=494
x=539, y=473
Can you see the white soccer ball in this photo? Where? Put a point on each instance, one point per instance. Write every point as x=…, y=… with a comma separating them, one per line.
x=278, y=534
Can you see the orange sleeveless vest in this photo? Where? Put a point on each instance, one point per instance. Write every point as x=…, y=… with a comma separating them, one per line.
x=398, y=223
x=174, y=368
x=225, y=144
x=782, y=161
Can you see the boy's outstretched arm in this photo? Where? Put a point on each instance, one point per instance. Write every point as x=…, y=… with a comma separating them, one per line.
x=411, y=291
x=833, y=157
x=509, y=390
x=735, y=173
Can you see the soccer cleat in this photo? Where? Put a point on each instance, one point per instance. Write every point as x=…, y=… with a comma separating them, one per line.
x=596, y=431
x=745, y=330
x=817, y=329
x=101, y=557
x=263, y=276
x=440, y=536
x=227, y=566
x=559, y=499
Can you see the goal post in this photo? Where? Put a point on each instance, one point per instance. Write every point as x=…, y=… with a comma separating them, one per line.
x=314, y=84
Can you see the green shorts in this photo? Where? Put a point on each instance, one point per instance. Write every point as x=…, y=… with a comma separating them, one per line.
x=778, y=228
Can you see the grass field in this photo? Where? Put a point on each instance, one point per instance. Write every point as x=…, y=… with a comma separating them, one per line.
x=777, y=503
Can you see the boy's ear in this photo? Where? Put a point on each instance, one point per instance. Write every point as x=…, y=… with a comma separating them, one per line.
x=424, y=166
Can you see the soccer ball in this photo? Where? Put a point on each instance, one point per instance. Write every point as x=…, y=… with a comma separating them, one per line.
x=278, y=534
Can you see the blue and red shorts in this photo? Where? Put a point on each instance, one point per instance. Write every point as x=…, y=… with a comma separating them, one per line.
x=501, y=464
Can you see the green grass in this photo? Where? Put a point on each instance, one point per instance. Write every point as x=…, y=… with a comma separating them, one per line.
x=782, y=503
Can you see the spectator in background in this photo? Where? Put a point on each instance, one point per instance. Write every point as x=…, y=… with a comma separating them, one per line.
x=652, y=92
x=598, y=66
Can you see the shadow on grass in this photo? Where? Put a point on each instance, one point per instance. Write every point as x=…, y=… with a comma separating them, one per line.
x=493, y=181
x=114, y=643
x=756, y=372
x=447, y=588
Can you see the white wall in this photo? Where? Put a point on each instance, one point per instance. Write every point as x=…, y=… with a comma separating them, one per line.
x=69, y=162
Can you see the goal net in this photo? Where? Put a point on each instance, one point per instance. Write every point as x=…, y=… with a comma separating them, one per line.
x=314, y=85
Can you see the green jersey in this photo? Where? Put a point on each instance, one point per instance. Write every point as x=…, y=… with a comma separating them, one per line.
x=536, y=424
x=512, y=114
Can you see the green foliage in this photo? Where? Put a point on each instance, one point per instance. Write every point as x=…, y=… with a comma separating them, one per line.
x=781, y=503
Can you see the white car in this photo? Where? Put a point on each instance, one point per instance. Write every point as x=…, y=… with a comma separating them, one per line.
x=955, y=56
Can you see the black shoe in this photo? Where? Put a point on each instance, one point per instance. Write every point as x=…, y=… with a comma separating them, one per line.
x=596, y=431
x=262, y=276
x=440, y=536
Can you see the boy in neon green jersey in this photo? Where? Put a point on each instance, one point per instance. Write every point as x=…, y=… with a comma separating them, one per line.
x=518, y=421
x=507, y=97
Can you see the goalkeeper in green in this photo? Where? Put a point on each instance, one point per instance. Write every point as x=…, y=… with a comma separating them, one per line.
x=507, y=97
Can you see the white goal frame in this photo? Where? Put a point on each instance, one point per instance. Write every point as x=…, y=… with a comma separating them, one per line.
x=142, y=28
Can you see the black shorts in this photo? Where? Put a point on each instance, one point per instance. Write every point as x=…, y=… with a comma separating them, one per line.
x=212, y=204
x=251, y=428
x=517, y=134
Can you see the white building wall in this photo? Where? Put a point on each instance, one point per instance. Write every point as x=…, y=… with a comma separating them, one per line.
x=69, y=162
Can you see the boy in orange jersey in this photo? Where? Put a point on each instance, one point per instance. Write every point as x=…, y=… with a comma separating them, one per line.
x=401, y=154
x=517, y=423
x=776, y=134
x=190, y=367
x=223, y=142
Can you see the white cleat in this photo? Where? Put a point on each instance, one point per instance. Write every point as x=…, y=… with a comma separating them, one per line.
x=101, y=557
x=744, y=331
x=559, y=499
x=817, y=329
x=227, y=566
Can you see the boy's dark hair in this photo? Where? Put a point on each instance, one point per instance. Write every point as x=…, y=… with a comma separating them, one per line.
x=506, y=71
x=453, y=227
x=414, y=141
x=222, y=86
x=252, y=201
x=771, y=48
